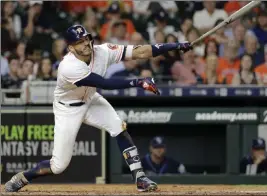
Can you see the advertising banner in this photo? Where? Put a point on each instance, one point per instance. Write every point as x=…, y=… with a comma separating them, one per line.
x=27, y=138
x=189, y=115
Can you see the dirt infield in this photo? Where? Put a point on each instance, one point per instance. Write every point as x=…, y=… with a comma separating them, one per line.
x=121, y=189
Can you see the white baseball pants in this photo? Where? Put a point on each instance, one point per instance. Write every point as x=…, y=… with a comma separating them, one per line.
x=68, y=119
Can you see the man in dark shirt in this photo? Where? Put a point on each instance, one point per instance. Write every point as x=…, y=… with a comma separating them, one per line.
x=256, y=162
x=156, y=163
x=11, y=80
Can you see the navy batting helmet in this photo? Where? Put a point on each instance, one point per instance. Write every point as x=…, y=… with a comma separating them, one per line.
x=76, y=32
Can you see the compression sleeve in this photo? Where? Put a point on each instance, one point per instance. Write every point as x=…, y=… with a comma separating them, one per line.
x=98, y=81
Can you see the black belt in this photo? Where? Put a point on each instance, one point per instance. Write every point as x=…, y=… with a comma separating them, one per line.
x=72, y=104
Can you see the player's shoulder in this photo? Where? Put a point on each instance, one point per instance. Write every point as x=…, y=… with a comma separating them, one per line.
x=106, y=47
x=70, y=59
x=70, y=62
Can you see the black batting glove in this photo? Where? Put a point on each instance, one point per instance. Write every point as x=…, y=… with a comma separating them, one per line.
x=185, y=46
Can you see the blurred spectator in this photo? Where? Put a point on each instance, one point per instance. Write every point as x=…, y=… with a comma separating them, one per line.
x=229, y=64
x=137, y=39
x=37, y=26
x=220, y=37
x=192, y=35
x=261, y=70
x=186, y=24
x=210, y=76
x=256, y=162
x=260, y=30
x=26, y=72
x=21, y=8
x=129, y=71
x=45, y=70
x=33, y=52
x=11, y=80
x=114, y=14
x=146, y=73
x=8, y=37
x=159, y=36
x=117, y=33
x=205, y=19
x=187, y=72
x=246, y=74
x=232, y=6
x=58, y=50
x=239, y=32
x=20, y=51
x=91, y=22
x=157, y=163
x=159, y=70
x=4, y=66
x=211, y=48
x=14, y=19
x=77, y=7
x=147, y=8
x=32, y=21
x=160, y=24
x=252, y=47
x=249, y=20
x=170, y=58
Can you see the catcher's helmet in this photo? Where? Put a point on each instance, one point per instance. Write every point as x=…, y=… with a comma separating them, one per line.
x=76, y=32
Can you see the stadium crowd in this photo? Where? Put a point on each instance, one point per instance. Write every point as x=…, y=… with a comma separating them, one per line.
x=32, y=34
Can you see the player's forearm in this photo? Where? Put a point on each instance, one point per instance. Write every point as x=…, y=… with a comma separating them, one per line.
x=95, y=80
x=148, y=51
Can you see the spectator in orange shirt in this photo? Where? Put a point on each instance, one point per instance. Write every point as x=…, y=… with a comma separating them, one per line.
x=232, y=6
x=229, y=64
x=114, y=14
x=210, y=76
x=245, y=74
x=261, y=70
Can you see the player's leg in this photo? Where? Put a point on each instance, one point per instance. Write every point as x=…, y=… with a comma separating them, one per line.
x=102, y=115
x=66, y=128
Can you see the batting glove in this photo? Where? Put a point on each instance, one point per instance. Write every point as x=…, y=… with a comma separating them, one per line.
x=147, y=84
x=185, y=46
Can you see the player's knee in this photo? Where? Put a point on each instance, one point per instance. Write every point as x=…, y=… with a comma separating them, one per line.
x=58, y=166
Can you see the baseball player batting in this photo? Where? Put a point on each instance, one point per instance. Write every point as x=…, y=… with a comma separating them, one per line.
x=76, y=101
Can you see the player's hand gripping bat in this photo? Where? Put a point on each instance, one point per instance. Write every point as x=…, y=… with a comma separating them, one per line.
x=229, y=20
x=148, y=84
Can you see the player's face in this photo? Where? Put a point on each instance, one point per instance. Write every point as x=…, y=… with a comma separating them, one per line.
x=83, y=47
x=258, y=152
x=158, y=152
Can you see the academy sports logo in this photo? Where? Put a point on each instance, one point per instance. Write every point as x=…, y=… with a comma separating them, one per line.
x=144, y=116
x=226, y=116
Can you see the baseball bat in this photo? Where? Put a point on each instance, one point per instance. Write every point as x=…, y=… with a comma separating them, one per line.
x=229, y=20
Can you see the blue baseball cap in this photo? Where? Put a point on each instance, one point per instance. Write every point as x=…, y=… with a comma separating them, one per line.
x=258, y=144
x=158, y=142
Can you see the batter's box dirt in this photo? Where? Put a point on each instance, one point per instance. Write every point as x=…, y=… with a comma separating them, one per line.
x=122, y=189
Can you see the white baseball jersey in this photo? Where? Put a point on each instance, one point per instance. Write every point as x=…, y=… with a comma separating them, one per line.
x=72, y=70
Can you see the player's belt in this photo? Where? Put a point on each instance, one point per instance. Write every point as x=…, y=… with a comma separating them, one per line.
x=72, y=104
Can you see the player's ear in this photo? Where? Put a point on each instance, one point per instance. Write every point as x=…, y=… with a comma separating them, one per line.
x=70, y=48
